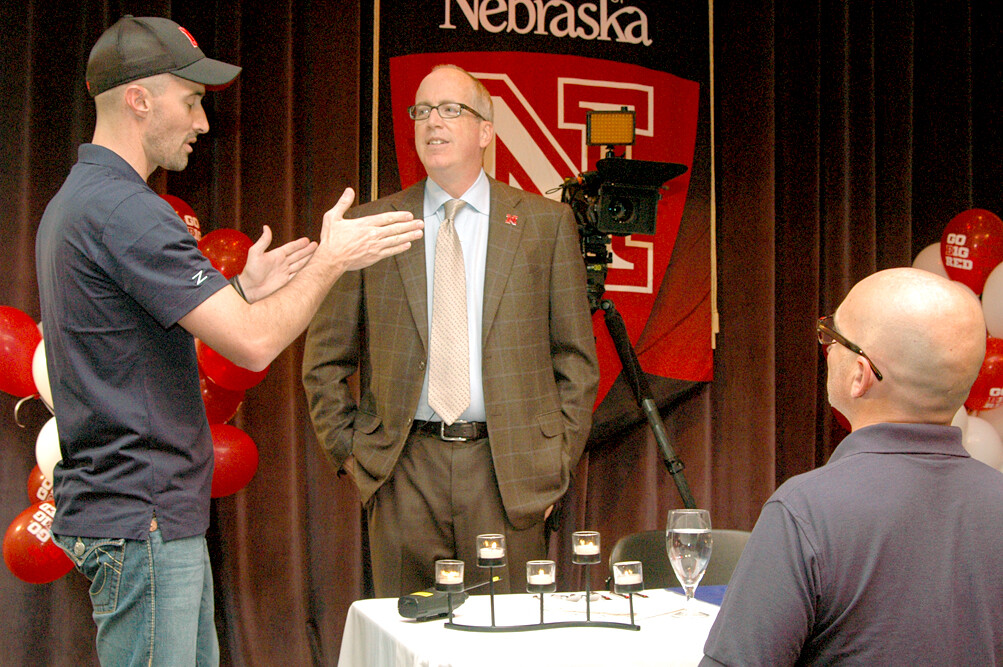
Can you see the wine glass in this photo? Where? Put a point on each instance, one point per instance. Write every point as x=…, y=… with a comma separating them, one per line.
x=688, y=542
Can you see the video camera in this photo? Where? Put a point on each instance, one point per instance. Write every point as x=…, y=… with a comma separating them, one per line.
x=619, y=197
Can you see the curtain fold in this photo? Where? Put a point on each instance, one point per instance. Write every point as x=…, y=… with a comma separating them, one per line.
x=847, y=135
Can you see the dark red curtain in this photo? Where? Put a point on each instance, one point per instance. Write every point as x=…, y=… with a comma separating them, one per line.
x=847, y=134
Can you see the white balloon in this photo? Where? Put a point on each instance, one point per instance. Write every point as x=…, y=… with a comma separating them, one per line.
x=47, y=453
x=929, y=259
x=983, y=442
x=992, y=302
x=961, y=420
x=40, y=373
x=994, y=417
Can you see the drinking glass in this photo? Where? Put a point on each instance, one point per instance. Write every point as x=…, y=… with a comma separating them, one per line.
x=688, y=542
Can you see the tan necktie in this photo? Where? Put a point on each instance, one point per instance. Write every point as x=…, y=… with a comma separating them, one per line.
x=449, y=358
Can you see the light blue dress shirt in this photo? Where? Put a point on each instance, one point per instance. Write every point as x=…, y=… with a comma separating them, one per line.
x=472, y=227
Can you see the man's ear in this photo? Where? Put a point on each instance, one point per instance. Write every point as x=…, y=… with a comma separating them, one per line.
x=487, y=133
x=137, y=99
x=863, y=377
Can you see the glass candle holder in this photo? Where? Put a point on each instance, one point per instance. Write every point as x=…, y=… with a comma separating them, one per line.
x=627, y=577
x=491, y=550
x=585, y=547
x=541, y=576
x=449, y=576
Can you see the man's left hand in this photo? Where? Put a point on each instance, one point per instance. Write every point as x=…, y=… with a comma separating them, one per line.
x=268, y=270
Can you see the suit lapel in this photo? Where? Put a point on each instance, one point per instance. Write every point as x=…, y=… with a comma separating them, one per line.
x=503, y=240
x=411, y=265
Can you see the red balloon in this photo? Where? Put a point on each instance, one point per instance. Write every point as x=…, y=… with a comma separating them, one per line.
x=227, y=250
x=235, y=459
x=220, y=404
x=987, y=392
x=28, y=549
x=19, y=336
x=223, y=372
x=186, y=213
x=39, y=488
x=972, y=246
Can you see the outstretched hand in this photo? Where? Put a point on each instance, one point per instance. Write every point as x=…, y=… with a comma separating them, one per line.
x=268, y=270
x=356, y=243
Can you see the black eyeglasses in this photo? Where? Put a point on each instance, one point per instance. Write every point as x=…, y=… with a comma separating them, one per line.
x=446, y=110
x=827, y=335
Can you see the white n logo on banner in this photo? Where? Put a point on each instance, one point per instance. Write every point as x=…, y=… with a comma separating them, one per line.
x=546, y=163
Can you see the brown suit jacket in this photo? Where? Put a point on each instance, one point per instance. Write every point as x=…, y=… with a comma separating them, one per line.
x=540, y=371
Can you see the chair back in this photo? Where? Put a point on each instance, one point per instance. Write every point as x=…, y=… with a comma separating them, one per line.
x=649, y=547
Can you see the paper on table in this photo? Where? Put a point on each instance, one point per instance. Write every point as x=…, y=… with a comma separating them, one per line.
x=610, y=605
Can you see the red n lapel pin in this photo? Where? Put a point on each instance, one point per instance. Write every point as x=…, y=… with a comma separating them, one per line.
x=511, y=219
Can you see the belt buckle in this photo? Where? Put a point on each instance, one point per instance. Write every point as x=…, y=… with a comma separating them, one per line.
x=446, y=438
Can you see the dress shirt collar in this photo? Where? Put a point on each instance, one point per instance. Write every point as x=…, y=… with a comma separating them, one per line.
x=477, y=196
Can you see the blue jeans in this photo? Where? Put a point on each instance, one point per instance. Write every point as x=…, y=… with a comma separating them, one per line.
x=152, y=600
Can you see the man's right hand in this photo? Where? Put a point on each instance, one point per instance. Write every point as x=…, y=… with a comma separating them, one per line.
x=352, y=244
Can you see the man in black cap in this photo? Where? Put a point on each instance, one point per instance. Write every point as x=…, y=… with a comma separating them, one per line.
x=123, y=290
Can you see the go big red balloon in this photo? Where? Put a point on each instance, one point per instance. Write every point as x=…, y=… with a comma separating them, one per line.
x=19, y=336
x=28, y=549
x=224, y=372
x=972, y=246
x=987, y=392
x=235, y=457
x=186, y=213
x=227, y=250
x=39, y=487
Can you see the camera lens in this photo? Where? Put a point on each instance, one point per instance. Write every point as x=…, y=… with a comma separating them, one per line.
x=620, y=210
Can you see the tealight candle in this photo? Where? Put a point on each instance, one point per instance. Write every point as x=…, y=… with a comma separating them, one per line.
x=541, y=578
x=585, y=547
x=449, y=575
x=540, y=575
x=491, y=550
x=627, y=577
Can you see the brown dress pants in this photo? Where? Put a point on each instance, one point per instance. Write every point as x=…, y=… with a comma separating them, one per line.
x=439, y=498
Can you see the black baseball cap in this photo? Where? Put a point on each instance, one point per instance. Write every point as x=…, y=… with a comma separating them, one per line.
x=134, y=48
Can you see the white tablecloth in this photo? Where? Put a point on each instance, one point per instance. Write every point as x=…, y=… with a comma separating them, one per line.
x=377, y=636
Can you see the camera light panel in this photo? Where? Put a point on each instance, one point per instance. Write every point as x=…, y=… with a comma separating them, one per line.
x=609, y=128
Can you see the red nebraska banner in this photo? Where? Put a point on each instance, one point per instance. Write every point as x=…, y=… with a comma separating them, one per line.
x=540, y=104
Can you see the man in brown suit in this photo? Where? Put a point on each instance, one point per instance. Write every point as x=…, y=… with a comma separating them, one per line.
x=430, y=486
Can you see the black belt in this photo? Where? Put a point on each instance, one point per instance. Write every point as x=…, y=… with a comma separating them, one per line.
x=457, y=431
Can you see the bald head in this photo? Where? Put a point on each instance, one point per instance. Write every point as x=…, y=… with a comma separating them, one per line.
x=478, y=92
x=925, y=333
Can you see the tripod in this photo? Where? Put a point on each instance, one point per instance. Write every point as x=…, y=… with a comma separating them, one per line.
x=642, y=394
x=632, y=200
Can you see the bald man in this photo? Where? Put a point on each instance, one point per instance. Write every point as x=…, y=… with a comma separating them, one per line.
x=891, y=553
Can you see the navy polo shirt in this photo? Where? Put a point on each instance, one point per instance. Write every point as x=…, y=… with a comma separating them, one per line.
x=117, y=269
x=889, y=554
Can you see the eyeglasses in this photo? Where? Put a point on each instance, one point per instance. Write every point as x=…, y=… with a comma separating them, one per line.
x=827, y=335
x=446, y=110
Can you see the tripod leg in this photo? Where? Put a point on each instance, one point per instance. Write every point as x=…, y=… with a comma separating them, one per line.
x=642, y=394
